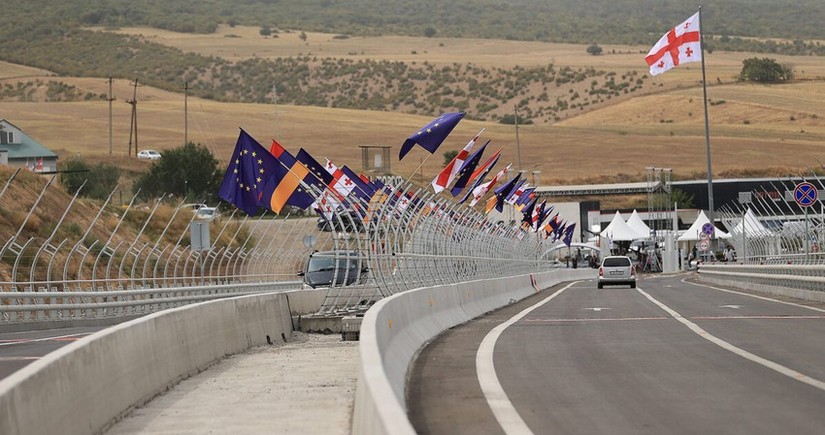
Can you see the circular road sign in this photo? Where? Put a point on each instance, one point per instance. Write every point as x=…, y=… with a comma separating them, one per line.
x=805, y=194
x=707, y=228
x=704, y=245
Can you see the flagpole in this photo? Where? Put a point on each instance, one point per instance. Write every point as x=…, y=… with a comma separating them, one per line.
x=707, y=122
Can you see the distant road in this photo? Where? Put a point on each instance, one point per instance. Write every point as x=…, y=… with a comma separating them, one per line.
x=668, y=357
x=18, y=349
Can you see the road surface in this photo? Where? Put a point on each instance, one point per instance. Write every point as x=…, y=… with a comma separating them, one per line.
x=668, y=357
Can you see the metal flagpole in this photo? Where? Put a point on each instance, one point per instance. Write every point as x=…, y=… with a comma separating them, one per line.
x=707, y=123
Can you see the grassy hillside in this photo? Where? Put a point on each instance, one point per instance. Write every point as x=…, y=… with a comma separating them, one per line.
x=56, y=37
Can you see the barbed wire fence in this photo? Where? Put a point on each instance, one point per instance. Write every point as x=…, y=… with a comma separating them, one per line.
x=403, y=238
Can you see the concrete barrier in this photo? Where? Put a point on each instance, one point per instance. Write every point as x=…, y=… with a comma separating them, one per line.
x=85, y=386
x=395, y=328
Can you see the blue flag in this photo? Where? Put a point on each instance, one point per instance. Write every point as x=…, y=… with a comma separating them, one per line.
x=466, y=170
x=322, y=177
x=568, y=234
x=504, y=191
x=479, y=179
x=432, y=134
x=527, y=214
x=250, y=167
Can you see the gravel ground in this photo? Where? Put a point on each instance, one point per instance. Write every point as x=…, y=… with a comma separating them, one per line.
x=306, y=386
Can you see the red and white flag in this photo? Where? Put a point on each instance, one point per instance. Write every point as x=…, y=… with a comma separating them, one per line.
x=482, y=189
x=447, y=175
x=341, y=183
x=682, y=44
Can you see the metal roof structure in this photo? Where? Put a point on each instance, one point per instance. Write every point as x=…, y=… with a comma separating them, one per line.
x=22, y=146
x=593, y=189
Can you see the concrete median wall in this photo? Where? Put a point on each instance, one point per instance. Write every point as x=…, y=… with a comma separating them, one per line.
x=395, y=328
x=83, y=387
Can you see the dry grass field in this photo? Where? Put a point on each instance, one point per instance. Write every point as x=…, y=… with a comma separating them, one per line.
x=754, y=128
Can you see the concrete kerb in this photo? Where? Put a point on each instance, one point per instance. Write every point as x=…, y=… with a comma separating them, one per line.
x=85, y=386
x=395, y=328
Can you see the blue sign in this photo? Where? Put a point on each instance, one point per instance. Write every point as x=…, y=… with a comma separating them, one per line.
x=805, y=194
x=707, y=229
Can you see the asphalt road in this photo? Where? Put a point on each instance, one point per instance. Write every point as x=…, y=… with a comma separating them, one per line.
x=17, y=349
x=668, y=357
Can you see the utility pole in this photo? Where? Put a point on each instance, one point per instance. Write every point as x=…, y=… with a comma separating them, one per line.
x=518, y=145
x=111, y=98
x=275, y=102
x=185, y=113
x=133, y=125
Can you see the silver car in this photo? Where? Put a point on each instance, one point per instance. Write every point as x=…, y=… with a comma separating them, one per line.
x=617, y=270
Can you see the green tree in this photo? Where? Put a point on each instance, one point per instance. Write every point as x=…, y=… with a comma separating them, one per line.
x=100, y=179
x=190, y=170
x=764, y=70
x=265, y=31
x=594, y=50
x=448, y=156
x=430, y=32
x=303, y=36
x=681, y=198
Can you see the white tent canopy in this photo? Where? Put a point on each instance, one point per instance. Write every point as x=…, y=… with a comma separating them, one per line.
x=693, y=233
x=619, y=231
x=751, y=226
x=638, y=225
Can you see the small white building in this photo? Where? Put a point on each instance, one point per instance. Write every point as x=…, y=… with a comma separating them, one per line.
x=19, y=150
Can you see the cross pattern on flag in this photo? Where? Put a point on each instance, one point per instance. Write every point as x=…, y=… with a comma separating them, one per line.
x=682, y=44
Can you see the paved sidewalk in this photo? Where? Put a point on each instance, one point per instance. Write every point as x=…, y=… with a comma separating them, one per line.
x=306, y=386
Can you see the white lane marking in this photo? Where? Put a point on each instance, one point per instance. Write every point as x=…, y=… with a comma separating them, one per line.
x=507, y=416
x=793, y=374
x=735, y=307
x=596, y=308
x=35, y=340
x=764, y=298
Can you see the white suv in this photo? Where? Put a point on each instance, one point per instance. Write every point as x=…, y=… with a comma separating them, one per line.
x=617, y=270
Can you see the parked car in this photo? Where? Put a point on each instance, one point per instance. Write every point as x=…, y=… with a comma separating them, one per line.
x=345, y=221
x=206, y=213
x=148, y=155
x=334, y=268
x=617, y=270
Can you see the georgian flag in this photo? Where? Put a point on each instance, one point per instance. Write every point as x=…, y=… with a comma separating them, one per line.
x=682, y=44
x=515, y=195
x=482, y=189
x=341, y=183
x=448, y=174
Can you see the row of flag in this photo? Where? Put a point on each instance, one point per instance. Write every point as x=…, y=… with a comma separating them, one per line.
x=274, y=178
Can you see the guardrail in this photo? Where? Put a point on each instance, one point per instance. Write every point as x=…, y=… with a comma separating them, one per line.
x=76, y=305
x=396, y=327
x=84, y=386
x=805, y=281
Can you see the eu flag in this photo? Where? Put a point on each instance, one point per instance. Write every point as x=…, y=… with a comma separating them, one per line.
x=568, y=234
x=251, y=165
x=491, y=162
x=504, y=191
x=432, y=134
x=462, y=177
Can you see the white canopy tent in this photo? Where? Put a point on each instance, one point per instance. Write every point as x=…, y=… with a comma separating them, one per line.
x=693, y=233
x=751, y=226
x=619, y=231
x=637, y=224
